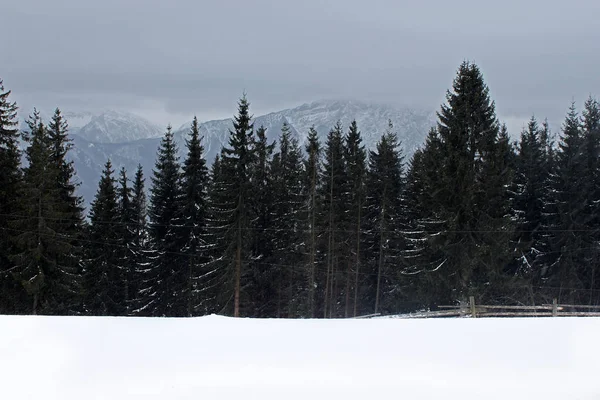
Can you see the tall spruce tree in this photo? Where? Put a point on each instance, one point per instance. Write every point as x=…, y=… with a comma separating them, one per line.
x=106, y=278
x=469, y=189
x=263, y=278
x=11, y=180
x=355, y=157
x=530, y=195
x=72, y=224
x=232, y=207
x=287, y=171
x=216, y=279
x=569, y=243
x=165, y=206
x=40, y=238
x=126, y=235
x=590, y=124
x=141, y=283
x=384, y=218
x=312, y=207
x=334, y=191
x=193, y=218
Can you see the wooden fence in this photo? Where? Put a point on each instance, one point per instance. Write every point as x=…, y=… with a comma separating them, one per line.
x=473, y=310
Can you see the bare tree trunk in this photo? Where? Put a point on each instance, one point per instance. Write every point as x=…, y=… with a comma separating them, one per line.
x=357, y=258
x=380, y=264
x=329, y=264
x=190, y=286
x=333, y=290
x=311, y=281
x=347, y=308
x=238, y=272
x=330, y=254
x=35, y=303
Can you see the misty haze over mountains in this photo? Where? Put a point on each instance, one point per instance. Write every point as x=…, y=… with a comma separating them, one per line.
x=128, y=140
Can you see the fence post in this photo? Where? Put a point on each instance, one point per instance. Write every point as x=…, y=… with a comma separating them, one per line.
x=554, y=308
x=473, y=309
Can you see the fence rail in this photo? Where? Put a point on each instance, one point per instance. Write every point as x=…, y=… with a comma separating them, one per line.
x=473, y=310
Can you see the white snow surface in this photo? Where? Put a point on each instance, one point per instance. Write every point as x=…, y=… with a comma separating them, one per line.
x=73, y=358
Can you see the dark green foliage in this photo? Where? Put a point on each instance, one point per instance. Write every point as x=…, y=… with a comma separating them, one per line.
x=312, y=210
x=165, y=207
x=43, y=258
x=193, y=220
x=531, y=190
x=355, y=157
x=466, y=192
x=273, y=232
x=263, y=279
x=231, y=211
x=287, y=227
x=11, y=179
x=385, y=221
x=141, y=283
x=106, y=276
x=334, y=190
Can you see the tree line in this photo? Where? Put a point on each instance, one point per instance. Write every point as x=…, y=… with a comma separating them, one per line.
x=280, y=229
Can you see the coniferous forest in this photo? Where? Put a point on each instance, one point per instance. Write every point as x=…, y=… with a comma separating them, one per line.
x=299, y=230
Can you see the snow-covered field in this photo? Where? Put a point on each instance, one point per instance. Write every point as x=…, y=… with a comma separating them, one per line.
x=221, y=358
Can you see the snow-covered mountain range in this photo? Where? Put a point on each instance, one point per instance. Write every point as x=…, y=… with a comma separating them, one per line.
x=129, y=140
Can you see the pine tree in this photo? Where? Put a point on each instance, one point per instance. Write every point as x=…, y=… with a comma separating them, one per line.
x=216, y=283
x=193, y=217
x=355, y=157
x=590, y=125
x=471, y=179
x=39, y=234
x=423, y=255
x=569, y=249
x=125, y=236
x=71, y=226
x=384, y=218
x=232, y=207
x=11, y=180
x=312, y=206
x=530, y=196
x=334, y=191
x=141, y=282
x=165, y=207
x=106, y=278
x=287, y=234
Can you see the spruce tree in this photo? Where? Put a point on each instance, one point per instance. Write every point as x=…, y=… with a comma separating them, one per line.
x=569, y=251
x=590, y=124
x=263, y=278
x=312, y=204
x=142, y=293
x=287, y=234
x=40, y=239
x=11, y=180
x=529, y=199
x=355, y=157
x=232, y=208
x=126, y=235
x=193, y=218
x=165, y=207
x=468, y=191
x=71, y=225
x=106, y=278
x=334, y=191
x=384, y=224
x=216, y=282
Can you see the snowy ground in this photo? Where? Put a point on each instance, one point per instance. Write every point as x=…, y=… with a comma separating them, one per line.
x=221, y=358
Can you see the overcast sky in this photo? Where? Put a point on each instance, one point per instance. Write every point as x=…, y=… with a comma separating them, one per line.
x=167, y=60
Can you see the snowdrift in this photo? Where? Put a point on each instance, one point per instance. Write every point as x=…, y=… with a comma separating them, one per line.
x=74, y=358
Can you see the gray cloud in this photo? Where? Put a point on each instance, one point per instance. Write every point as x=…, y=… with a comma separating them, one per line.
x=168, y=60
